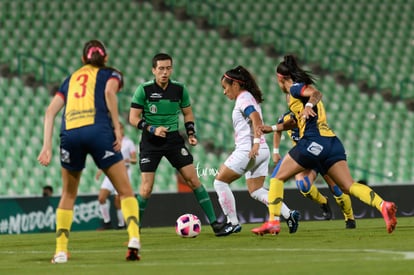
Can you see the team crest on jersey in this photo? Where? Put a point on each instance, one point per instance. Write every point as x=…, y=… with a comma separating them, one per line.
x=64, y=156
x=315, y=149
x=184, y=152
x=153, y=109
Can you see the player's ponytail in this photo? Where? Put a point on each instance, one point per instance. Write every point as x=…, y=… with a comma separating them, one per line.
x=290, y=68
x=246, y=81
x=94, y=53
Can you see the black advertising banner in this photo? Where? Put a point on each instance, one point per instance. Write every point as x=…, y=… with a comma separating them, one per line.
x=37, y=214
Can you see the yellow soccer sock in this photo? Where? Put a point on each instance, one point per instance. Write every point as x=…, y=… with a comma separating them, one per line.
x=366, y=195
x=315, y=195
x=275, y=197
x=344, y=202
x=129, y=207
x=64, y=219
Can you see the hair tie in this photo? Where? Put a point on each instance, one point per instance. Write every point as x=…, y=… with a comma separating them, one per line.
x=94, y=49
x=228, y=77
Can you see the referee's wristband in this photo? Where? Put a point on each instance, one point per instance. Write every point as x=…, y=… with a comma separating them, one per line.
x=309, y=105
x=151, y=129
x=142, y=124
x=275, y=150
x=190, y=128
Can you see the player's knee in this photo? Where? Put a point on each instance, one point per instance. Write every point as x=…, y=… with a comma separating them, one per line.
x=303, y=186
x=193, y=183
x=102, y=200
x=145, y=192
x=336, y=191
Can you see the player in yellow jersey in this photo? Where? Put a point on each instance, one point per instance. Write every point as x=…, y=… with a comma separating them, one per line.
x=304, y=180
x=318, y=148
x=90, y=125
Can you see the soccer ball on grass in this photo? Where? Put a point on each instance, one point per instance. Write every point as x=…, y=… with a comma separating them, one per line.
x=188, y=226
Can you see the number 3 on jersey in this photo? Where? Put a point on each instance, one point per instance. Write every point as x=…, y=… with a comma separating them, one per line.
x=82, y=80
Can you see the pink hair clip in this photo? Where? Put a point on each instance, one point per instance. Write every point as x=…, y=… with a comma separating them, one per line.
x=94, y=49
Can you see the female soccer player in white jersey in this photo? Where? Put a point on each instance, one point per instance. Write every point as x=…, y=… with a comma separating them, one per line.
x=251, y=155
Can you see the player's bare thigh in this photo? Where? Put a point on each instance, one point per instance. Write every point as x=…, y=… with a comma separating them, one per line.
x=288, y=168
x=340, y=174
x=189, y=174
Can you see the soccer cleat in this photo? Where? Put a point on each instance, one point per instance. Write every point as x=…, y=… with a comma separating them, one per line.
x=388, y=210
x=293, y=221
x=237, y=228
x=60, y=258
x=271, y=227
x=105, y=226
x=326, y=210
x=133, y=250
x=227, y=229
x=350, y=224
x=217, y=226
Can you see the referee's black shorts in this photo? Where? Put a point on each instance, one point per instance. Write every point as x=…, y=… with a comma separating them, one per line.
x=153, y=148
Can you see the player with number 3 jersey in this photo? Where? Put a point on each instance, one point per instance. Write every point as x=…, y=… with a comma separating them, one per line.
x=90, y=125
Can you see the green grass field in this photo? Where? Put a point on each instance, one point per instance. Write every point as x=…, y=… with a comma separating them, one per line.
x=319, y=247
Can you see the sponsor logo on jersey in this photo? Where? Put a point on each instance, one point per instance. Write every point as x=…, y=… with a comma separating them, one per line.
x=156, y=95
x=315, y=149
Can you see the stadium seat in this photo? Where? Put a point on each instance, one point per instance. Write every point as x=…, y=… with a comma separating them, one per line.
x=345, y=27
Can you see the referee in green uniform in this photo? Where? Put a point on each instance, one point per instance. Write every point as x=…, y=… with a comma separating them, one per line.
x=155, y=110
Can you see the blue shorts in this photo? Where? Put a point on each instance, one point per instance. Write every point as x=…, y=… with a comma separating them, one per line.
x=277, y=167
x=96, y=140
x=318, y=153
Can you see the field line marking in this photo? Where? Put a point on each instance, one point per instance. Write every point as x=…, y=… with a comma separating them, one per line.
x=408, y=255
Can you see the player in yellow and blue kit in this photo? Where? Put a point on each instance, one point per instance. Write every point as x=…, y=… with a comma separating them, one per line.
x=305, y=179
x=318, y=148
x=90, y=125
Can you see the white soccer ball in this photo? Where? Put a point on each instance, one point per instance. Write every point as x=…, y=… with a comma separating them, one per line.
x=188, y=226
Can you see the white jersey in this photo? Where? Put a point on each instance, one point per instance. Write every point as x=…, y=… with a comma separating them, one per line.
x=243, y=132
x=127, y=148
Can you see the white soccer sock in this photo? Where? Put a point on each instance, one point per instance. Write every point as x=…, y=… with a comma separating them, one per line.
x=261, y=195
x=226, y=200
x=121, y=221
x=105, y=212
x=285, y=211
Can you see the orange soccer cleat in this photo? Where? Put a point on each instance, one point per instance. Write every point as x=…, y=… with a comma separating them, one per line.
x=270, y=227
x=388, y=210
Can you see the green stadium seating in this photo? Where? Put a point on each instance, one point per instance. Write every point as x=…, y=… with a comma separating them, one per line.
x=201, y=57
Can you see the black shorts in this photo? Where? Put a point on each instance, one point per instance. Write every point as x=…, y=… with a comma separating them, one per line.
x=153, y=148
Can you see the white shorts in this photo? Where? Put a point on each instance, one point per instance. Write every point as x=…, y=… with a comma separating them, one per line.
x=240, y=163
x=107, y=184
